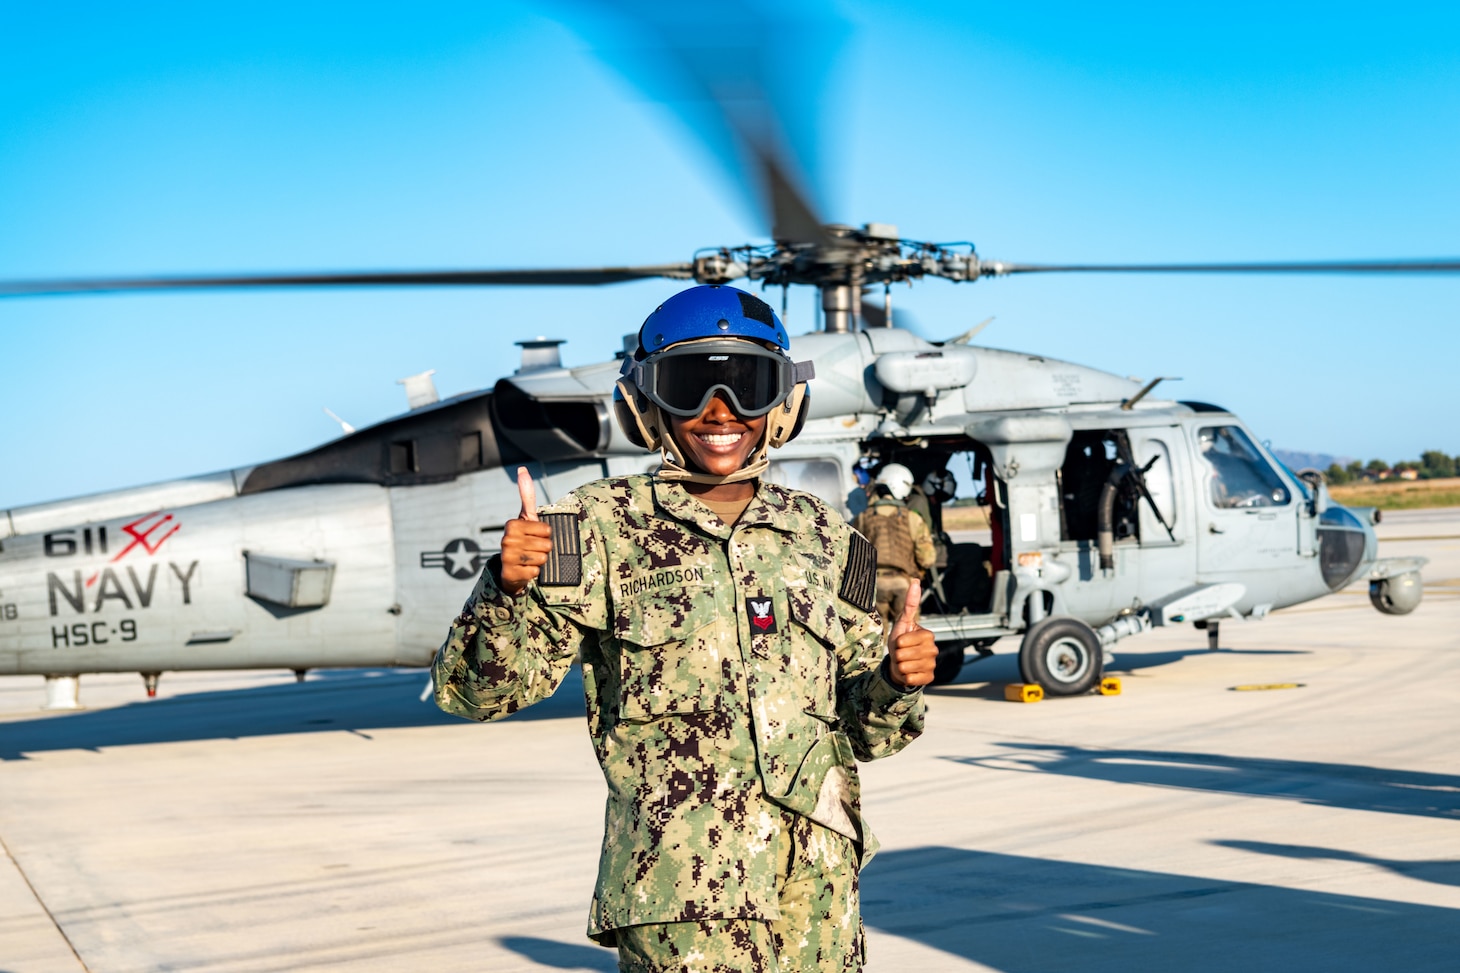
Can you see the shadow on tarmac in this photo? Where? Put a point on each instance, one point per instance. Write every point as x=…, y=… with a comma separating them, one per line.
x=353, y=700
x=1131, y=661
x=562, y=956
x=983, y=676
x=1030, y=915
x=1320, y=784
x=1438, y=872
x=359, y=700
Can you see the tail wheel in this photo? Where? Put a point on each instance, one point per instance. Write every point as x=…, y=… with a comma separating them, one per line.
x=1063, y=655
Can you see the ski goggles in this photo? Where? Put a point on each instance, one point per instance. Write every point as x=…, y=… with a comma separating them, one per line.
x=683, y=379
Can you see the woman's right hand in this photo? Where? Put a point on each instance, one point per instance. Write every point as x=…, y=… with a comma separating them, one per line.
x=526, y=541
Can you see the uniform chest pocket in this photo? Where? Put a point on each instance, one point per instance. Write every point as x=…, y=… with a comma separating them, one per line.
x=675, y=654
x=816, y=637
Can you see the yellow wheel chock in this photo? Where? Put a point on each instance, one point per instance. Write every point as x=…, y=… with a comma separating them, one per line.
x=1023, y=692
x=1032, y=692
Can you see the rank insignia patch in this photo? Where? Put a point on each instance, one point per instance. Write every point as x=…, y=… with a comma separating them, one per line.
x=762, y=617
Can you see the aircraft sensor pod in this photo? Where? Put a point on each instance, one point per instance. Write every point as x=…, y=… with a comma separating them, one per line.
x=928, y=372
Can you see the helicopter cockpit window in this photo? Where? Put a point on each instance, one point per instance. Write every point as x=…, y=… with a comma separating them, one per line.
x=1240, y=476
x=821, y=477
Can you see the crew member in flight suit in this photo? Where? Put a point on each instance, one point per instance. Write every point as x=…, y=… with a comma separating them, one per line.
x=904, y=543
x=733, y=665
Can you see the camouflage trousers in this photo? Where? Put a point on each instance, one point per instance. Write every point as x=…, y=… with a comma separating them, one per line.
x=819, y=931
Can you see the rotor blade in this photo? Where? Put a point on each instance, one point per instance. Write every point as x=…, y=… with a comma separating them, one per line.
x=745, y=82
x=405, y=278
x=792, y=218
x=999, y=268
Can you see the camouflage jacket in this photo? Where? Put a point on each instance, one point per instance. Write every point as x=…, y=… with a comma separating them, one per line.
x=726, y=680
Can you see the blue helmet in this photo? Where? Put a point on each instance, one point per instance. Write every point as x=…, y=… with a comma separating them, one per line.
x=662, y=380
x=711, y=311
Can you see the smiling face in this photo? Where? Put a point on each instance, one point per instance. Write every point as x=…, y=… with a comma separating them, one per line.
x=717, y=441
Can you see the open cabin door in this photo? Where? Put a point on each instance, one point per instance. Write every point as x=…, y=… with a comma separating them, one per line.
x=1160, y=519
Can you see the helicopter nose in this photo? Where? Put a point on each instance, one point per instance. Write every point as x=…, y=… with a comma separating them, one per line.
x=1346, y=542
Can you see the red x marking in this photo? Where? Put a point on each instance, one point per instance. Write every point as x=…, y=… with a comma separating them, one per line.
x=142, y=536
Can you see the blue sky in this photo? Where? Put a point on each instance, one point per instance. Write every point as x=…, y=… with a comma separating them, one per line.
x=177, y=138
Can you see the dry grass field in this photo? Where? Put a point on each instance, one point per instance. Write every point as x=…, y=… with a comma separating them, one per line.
x=1400, y=494
x=965, y=518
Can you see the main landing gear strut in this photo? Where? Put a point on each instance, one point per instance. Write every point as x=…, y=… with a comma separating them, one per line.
x=1212, y=628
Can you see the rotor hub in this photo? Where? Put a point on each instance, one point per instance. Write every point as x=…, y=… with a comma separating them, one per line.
x=844, y=256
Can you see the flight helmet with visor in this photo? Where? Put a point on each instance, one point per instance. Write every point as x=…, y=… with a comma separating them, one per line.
x=898, y=480
x=702, y=341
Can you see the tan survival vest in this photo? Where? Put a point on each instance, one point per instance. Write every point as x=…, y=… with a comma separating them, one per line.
x=885, y=524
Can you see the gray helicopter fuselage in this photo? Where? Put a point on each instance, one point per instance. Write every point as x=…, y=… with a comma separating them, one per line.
x=1020, y=414
x=360, y=552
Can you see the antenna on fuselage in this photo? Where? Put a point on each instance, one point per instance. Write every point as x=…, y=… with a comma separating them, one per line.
x=343, y=424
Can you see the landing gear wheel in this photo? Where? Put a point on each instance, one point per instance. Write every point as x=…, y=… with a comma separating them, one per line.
x=1063, y=655
x=950, y=662
x=951, y=659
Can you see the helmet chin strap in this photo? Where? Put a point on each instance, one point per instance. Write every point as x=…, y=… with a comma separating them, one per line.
x=673, y=469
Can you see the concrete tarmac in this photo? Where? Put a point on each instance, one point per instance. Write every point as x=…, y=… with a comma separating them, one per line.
x=241, y=823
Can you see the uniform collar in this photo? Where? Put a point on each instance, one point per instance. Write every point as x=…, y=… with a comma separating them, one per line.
x=770, y=507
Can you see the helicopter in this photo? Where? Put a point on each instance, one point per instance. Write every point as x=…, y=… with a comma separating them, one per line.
x=1111, y=511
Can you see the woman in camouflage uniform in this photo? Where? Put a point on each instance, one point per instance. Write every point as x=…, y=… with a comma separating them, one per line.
x=733, y=664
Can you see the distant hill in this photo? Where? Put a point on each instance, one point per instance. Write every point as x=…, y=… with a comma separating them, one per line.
x=1295, y=460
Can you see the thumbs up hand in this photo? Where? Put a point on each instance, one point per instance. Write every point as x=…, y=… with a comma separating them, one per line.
x=911, y=651
x=526, y=541
x=528, y=493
